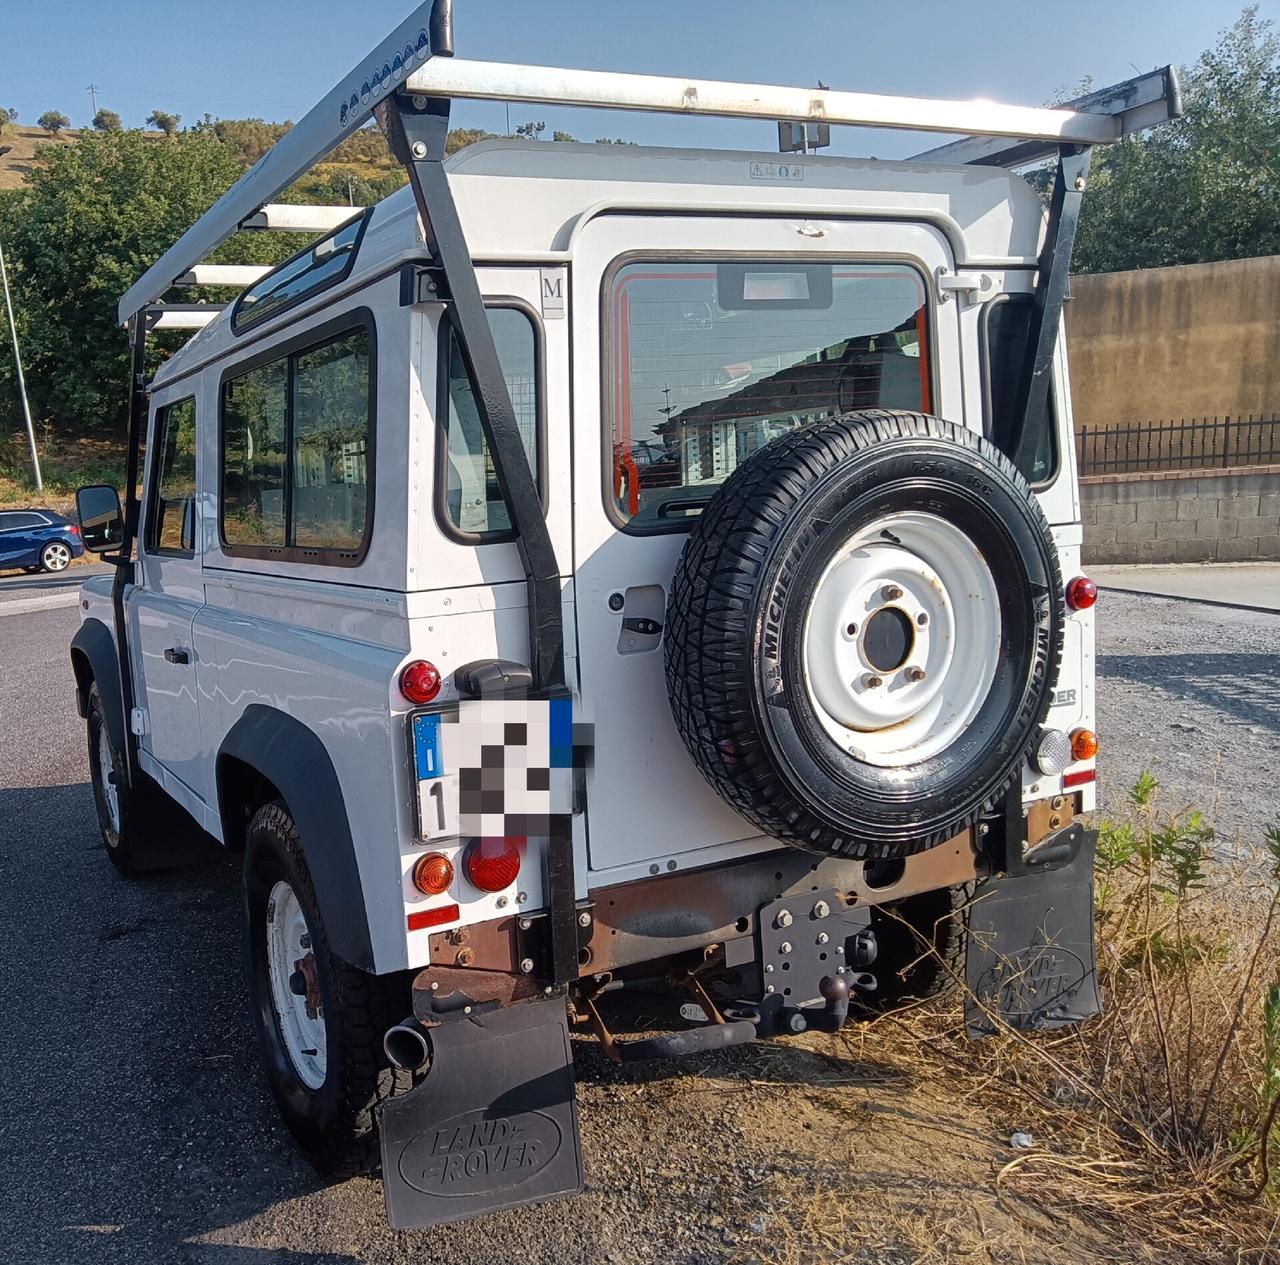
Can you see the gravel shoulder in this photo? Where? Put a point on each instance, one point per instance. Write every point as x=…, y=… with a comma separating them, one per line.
x=137, y=1126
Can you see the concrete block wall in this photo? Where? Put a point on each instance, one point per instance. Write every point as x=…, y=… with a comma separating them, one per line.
x=1182, y=516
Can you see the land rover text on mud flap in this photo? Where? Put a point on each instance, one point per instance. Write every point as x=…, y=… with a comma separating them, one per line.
x=595, y=566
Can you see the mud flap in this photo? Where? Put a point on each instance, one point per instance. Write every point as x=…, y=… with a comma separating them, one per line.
x=493, y=1125
x=1029, y=962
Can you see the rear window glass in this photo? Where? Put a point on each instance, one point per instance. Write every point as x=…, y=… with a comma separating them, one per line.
x=707, y=362
x=1008, y=322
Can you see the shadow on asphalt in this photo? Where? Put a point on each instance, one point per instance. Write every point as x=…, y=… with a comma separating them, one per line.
x=1245, y=685
x=137, y=1116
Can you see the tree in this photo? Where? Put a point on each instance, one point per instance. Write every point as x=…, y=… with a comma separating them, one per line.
x=530, y=131
x=79, y=233
x=106, y=121
x=1203, y=187
x=53, y=121
x=167, y=123
x=7, y=116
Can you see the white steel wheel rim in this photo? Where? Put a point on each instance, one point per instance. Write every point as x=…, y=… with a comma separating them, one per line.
x=922, y=579
x=106, y=775
x=288, y=950
x=57, y=557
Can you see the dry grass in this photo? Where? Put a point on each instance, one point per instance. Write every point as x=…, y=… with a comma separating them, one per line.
x=1158, y=1116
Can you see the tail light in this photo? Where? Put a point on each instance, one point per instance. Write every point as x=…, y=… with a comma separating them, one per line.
x=432, y=874
x=1082, y=592
x=419, y=681
x=75, y=531
x=492, y=864
x=1084, y=744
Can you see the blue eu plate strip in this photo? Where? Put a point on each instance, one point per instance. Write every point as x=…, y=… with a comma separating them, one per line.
x=561, y=733
x=426, y=746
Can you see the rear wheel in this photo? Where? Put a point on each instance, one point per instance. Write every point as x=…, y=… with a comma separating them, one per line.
x=55, y=556
x=320, y=1021
x=920, y=945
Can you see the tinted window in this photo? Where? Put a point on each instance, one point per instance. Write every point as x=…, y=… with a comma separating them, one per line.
x=172, y=524
x=330, y=444
x=329, y=260
x=11, y=522
x=296, y=442
x=709, y=362
x=254, y=415
x=1008, y=322
x=472, y=500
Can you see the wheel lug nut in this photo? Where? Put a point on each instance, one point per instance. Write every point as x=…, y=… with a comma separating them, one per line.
x=872, y=682
x=922, y=619
x=915, y=674
x=891, y=592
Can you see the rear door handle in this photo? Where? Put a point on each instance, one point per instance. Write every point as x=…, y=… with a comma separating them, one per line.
x=177, y=655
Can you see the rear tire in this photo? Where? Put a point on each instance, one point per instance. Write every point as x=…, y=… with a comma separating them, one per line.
x=920, y=946
x=322, y=1047
x=55, y=556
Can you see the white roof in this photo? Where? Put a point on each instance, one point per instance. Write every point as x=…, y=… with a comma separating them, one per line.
x=991, y=216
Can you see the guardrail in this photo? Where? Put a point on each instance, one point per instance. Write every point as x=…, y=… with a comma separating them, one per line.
x=1206, y=443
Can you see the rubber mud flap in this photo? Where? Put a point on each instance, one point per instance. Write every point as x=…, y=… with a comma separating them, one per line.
x=493, y=1125
x=1030, y=955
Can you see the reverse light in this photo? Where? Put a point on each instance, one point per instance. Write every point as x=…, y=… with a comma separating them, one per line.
x=1053, y=752
x=420, y=681
x=492, y=864
x=1082, y=592
x=432, y=874
x=1084, y=744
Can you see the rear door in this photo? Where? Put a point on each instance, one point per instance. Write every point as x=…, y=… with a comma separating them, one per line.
x=696, y=341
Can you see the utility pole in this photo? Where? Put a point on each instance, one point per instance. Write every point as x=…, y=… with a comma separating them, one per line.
x=92, y=90
x=22, y=383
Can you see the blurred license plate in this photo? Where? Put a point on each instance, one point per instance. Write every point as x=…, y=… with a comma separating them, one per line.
x=437, y=786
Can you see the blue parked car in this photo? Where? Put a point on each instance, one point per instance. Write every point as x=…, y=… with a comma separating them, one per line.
x=38, y=540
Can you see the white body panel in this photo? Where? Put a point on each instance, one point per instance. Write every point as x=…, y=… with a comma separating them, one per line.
x=324, y=644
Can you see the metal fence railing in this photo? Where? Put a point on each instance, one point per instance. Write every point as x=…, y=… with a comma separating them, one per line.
x=1207, y=443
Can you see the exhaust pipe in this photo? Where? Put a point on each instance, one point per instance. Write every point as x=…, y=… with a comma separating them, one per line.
x=406, y=1046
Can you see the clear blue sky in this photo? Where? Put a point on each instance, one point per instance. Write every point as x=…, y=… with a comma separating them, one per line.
x=274, y=58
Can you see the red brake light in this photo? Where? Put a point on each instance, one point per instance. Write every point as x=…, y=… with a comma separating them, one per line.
x=1082, y=592
x=492, y=864
x=75, y=531
x=419, y=681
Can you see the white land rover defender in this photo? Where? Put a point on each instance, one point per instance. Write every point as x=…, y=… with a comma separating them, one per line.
x=601, y=566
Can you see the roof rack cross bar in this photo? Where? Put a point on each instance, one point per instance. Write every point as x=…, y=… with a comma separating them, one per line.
x=552, y=85
x=288, y=217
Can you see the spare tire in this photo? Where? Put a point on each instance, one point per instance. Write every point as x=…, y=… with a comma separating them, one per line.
x=863, y=632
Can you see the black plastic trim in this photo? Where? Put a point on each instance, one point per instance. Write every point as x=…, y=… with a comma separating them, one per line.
x=93, y=640
x=440, y=499
x=295, y=761
x=314, y=337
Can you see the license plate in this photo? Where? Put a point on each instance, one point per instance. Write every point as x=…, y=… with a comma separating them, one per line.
x=493, y=767
x=437, y=785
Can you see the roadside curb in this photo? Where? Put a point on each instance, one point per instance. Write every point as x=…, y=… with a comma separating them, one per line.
x=51, y=601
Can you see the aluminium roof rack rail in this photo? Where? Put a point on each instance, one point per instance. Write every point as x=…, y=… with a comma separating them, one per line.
x=417, y=58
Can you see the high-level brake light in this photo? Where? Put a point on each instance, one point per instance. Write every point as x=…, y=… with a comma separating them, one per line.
x=420, y=681
x=1082, y=592
x=492, y=864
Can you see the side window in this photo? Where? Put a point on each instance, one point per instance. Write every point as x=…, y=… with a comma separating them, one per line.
x=297, y=437
x=472, y=505
x=171, y=517
x=1005, y=334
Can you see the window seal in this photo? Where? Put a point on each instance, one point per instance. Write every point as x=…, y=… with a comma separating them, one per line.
x=148, y=546
x=608, y=349
x=440, y=500
x=239, y=326
x=986, y=375
x=311, y=339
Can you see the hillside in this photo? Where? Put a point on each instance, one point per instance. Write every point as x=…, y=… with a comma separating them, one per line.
x=25, y=154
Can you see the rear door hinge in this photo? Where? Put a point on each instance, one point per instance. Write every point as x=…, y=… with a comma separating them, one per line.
x=968, y=287
x=137, y=722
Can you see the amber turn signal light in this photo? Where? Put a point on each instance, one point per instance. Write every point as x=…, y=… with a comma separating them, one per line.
x=432, y=874
x=1084, y=744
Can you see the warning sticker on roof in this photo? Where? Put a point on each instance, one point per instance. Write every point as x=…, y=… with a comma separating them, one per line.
x=777, y=171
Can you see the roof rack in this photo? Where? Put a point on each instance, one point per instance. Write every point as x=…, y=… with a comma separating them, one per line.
x=417, y=58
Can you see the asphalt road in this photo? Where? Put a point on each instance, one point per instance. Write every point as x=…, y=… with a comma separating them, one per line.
x=135, y=1125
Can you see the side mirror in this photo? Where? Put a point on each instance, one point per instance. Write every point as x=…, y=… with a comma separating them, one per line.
x=101, y=518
